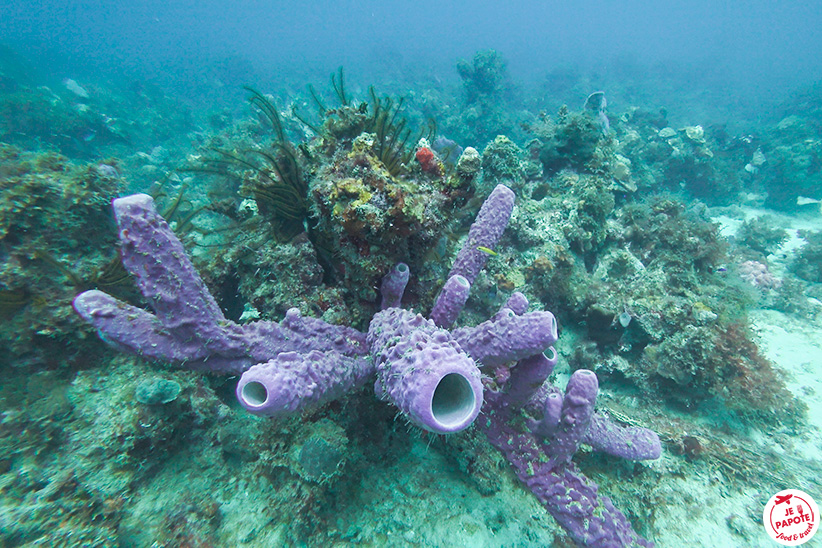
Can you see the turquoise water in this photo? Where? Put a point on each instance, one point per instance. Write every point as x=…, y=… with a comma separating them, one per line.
x=670, y=224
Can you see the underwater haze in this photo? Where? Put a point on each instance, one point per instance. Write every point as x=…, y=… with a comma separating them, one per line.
x=739, y=54
x=410, y=274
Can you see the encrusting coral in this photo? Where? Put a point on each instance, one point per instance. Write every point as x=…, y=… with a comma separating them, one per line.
x=439, y=379
x=51, y=246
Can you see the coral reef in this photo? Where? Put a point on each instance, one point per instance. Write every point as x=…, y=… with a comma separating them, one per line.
x=365, y=201
x=645, y=277
x=704, y=163
x=484, y=76
x=501, y=161
x=53, y=241
x=157, y=391
x=419, y=367
x=282, y=250
x=487, y=91
x=762, y=235
x=373, y=219
x=572, y=141
x=85, y=122
x=792, y=159
x=808, y=263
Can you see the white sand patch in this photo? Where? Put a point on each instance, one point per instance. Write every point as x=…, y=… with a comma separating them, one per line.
x=796, y=347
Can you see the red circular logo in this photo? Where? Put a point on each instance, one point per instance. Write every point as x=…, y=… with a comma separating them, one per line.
x=791, y=517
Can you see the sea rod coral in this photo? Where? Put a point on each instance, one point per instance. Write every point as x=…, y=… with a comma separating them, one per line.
x=440, y=379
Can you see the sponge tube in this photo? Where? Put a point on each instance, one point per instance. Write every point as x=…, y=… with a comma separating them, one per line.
x=424, y=372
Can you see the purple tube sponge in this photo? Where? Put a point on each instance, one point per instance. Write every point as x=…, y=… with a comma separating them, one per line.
x=486, y=231
x=575, y=415
x=589, y=518
x=450, y=301
x=528, y=378
x=546, y=469
x=393, y=286
x=187, y=326
x=298, y=333
x=627, y=442
x=187, y=323
x=136, y=331
x=508, y=337
x=430, y=373
x=293, y=382
x=583, y=425
x=517, y=303
x=551, y=415
x=423, y=371
x=540, y=449
x=165, y=276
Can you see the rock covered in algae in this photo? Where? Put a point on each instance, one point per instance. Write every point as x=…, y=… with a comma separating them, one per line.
x=321, y=452
x=57, y=236
x=501, y=161
x=469, y=163
x=157, y=391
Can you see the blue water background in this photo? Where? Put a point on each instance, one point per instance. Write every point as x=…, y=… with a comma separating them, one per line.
x=729, y=60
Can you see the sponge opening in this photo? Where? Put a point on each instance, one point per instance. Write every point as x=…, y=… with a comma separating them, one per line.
x=454, y=402
x=254, y=393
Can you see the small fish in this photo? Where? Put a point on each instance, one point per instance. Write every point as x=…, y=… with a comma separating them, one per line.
x=802, y=200
x=75, y=88
x=625, y=319
x=487, y=250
